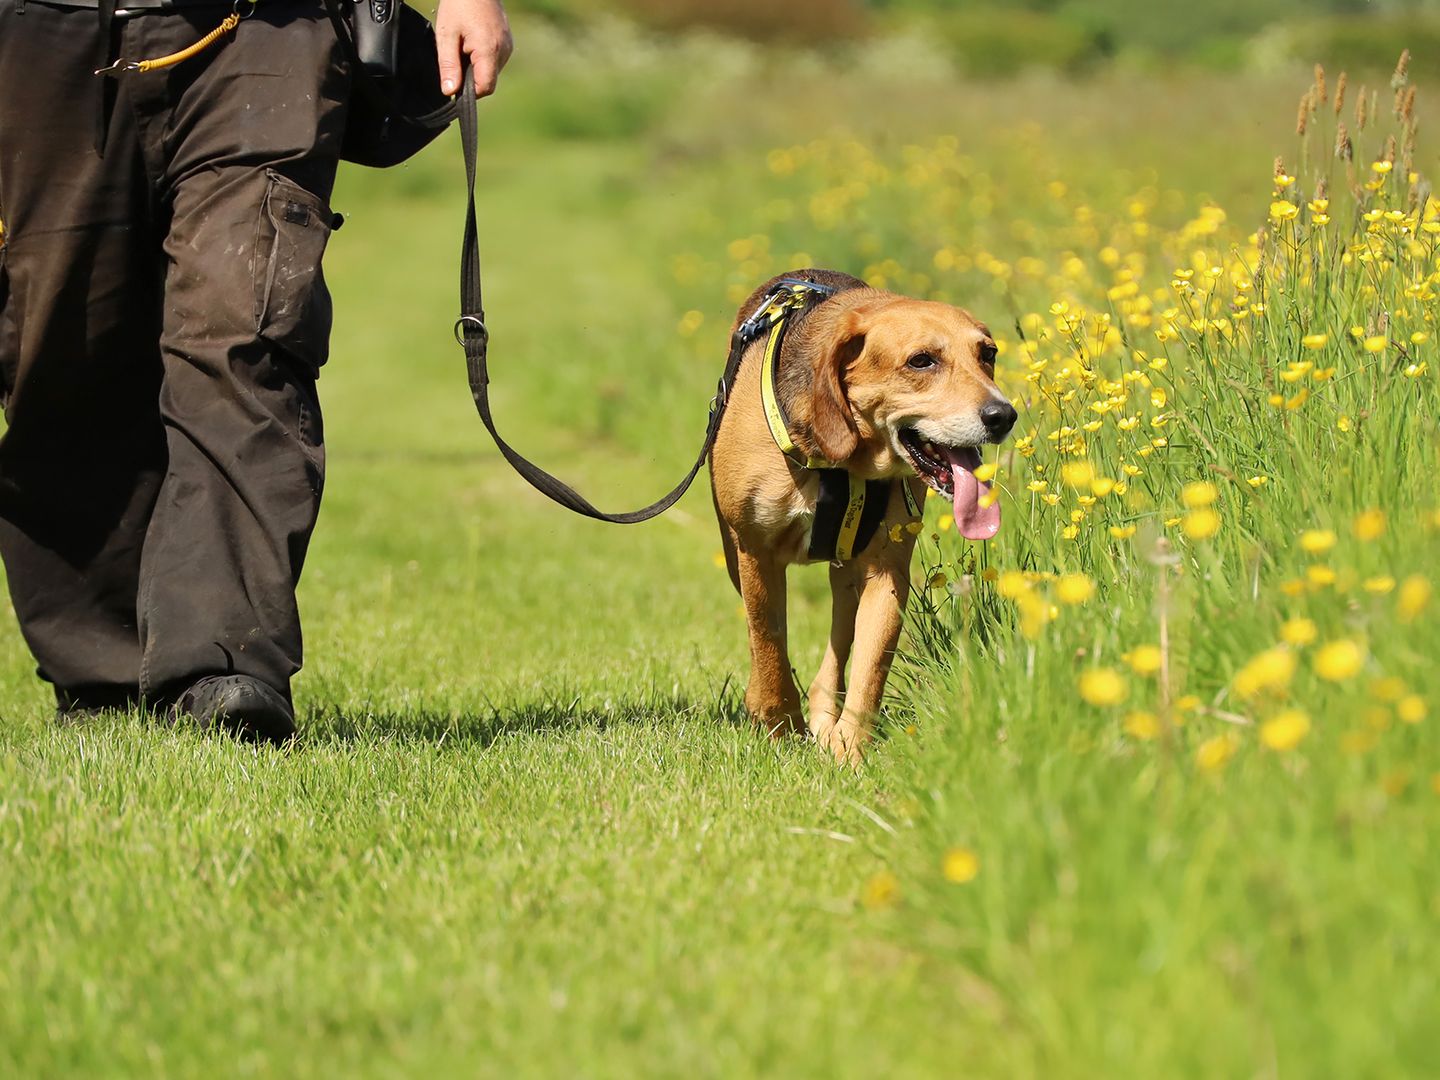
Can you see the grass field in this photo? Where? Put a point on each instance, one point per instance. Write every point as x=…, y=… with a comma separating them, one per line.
x=1159, y=790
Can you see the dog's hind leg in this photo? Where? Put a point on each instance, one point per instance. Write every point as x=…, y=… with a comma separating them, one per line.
x=771, y=697
x=827, y=692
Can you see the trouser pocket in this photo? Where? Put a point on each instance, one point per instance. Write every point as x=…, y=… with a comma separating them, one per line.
x=293, y=311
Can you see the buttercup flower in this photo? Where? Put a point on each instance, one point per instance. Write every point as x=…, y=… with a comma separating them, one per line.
x=1103, y=686
x=1337, y=661
x=1215, y=753
x=1074, y=589
x=1285, y=730
x=960, y=865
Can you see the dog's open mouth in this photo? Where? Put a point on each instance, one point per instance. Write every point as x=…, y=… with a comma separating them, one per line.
x=950, y=470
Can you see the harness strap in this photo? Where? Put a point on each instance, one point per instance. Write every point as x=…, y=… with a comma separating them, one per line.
x=848, y=511
x=783, y=304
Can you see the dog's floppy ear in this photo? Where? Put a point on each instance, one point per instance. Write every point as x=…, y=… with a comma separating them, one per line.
x=831, y=419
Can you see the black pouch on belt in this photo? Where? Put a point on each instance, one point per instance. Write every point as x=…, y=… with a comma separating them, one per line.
x=396, y=107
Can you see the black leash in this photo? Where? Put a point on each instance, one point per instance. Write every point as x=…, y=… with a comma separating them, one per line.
x=471, y=332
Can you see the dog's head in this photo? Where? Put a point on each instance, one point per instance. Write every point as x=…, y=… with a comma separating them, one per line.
x=905, y=385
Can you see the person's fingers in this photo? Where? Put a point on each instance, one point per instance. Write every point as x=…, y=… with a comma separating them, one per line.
x=447, y=51
x=486, y=75
x=486, y=61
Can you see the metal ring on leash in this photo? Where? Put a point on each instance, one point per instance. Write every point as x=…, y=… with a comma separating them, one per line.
x=471, y=319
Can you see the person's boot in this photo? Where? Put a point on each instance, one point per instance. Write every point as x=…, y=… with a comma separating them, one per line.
x=241, y=705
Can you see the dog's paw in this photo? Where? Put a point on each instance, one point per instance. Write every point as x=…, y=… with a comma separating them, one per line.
x=846, y=744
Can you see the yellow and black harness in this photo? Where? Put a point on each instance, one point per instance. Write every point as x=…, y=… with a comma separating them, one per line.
x=848, y=509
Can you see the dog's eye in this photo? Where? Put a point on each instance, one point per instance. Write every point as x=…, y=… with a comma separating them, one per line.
x=921, y=361
x=987, y=353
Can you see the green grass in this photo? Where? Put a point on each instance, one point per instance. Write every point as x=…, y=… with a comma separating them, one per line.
x=528, y=832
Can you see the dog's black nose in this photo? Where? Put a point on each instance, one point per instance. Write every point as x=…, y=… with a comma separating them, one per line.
x=998, y=417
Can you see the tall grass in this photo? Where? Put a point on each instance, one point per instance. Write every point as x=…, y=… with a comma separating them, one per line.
x=1167, y=741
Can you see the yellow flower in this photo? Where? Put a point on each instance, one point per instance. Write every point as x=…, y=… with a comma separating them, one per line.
x=1270, y=670
x=960, y=865
x=1285, y=730
x=1370, y=525
x=1343, y=424
x=1337, y=661
x=1283, y=210
x=1258, y=481
x=1358, y=742
x=881, y=892
x=1381, y=584
x=1214, y=754
x=1103, y=686
x=1077, y=474
x=1122, y=532
x=938, y=580
x=1011, y=584
x=1394, y=782
x=1376, y=344
x=1411, y=709
x=1319, y=576
x=1413, y=597
x=1317, y=541
x=1201, y=524
x=1141, y=725
x=985, y=473
x=1074, y=589
x=1298, y=631
x=1388, y=689
x=1197, y=494
x=1315, y=341
x=1143, y=659
x=1035, y=613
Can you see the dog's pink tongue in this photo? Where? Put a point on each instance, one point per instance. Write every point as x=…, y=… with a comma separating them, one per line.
x=975, y=522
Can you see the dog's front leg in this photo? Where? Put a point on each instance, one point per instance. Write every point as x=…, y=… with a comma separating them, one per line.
x=877, y=631
x=771, y=697
x=827, y=692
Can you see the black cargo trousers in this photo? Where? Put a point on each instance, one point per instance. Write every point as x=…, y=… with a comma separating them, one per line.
x=162, y=321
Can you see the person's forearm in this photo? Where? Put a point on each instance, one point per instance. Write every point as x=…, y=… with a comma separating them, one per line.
x=476, y=30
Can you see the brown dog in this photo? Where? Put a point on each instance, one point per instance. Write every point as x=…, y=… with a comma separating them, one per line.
x=897, y=393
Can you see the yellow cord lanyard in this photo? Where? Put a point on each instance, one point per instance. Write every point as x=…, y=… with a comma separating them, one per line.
x=125, y=67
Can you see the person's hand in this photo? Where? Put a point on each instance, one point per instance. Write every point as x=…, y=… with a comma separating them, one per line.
x=477, y=29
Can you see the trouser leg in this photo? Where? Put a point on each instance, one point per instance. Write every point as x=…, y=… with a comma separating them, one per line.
x=83, y=454
x=251, y=144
